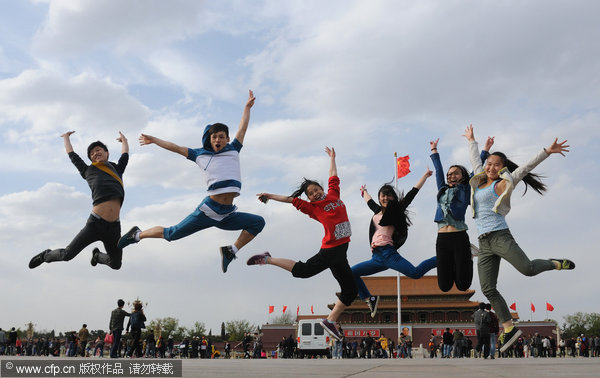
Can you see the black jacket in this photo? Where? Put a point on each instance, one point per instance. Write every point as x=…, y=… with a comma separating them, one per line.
x=393, y=216
x=104, y=187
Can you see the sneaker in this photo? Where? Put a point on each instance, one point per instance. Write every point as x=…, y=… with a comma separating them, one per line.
x=38, y=259
x=510, y=338
x=331, y=329
x=474, y=251
x=227, y=256
x=372, y=302
x=95, y=253
x=129, y=237
x=260, y=259
x=564, y=264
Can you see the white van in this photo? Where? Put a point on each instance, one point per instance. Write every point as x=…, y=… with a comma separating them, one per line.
x=313, y=340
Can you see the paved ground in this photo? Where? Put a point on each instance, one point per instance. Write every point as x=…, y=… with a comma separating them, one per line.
x=375, y=368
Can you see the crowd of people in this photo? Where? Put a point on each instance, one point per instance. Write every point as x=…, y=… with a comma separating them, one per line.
x=454, y=344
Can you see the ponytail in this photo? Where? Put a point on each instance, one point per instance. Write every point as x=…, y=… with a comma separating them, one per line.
x=532, y=180
x=302, y=188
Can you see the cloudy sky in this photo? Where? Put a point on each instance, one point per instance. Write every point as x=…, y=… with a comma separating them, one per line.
x=369, y=78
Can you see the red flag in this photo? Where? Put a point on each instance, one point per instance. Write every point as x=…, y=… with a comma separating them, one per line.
x=297, y=310
x=513, y=306
x=402, y=166
x=311, y=309
x=271, y=309
x=549, y=307
x=532, y=307
x=284, y=308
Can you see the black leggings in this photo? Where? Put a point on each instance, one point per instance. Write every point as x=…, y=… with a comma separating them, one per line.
x=336, y=260
x=96, y=229
x=454, y=264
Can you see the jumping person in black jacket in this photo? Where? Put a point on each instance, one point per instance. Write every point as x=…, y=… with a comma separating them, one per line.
x=105, y=180
x=388, y=232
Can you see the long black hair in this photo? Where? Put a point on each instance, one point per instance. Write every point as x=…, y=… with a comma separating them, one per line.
x=463, y=171
x=388, y=189
x=305, y=184
x=531, y=179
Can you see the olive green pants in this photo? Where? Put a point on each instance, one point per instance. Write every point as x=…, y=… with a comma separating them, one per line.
x=493, y=247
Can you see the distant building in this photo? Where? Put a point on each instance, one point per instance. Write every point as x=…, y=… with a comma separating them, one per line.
x=425, y=310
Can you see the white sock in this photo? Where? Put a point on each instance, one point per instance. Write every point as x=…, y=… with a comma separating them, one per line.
x=234, y=248
x=136, y=237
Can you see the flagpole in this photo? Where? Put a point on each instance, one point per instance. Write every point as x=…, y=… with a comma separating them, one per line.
x=399, y=305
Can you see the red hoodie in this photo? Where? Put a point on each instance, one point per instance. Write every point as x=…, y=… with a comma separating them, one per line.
x=331, y=213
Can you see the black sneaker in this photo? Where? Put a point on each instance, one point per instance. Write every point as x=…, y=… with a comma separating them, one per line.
x=331, y=329
x=129, y=237
x=94, y=260
x=510, y=338
x=260, y=259
x=38, y=259
x=565, y=264
x=372, y=302
x=227, y=256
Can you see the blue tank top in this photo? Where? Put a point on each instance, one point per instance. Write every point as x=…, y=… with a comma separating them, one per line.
x=485, y=218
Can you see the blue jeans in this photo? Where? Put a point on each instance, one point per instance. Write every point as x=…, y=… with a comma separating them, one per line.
x=384, y=258
x=446, y=350
x=492, y=344
x=212, y=214
x=116, y=344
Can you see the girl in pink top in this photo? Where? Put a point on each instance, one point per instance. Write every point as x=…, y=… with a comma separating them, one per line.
x=387, y=233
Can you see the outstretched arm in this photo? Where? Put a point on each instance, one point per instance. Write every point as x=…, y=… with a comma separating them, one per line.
x=241, y=133
x=424, y=178
x=149, y=139
x=332, y=166
x=124, y=143
x=264, y=197
x=67, y=140
x=557, y=148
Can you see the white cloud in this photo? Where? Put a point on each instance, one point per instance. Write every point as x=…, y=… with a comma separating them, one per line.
x=52, y=104
x=367, y=78
x=81, y=26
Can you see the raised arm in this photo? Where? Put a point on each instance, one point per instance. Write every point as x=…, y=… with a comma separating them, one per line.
x=332, y=166
x=440, y=178
x=424, y=178
x=469, y=133
x=364, y=194
x=489, y=142
x=124, y=143
x=474, y=155
x=241, y=133
x=264, y=197
x=67, y=140
x=149, y=139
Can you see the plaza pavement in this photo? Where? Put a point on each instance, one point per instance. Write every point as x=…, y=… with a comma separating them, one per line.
x=375, y=368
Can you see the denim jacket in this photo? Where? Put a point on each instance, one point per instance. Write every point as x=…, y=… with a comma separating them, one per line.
x=462, y=196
